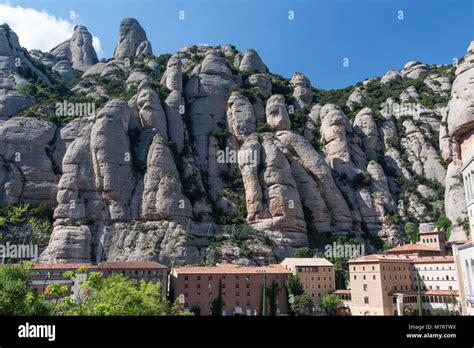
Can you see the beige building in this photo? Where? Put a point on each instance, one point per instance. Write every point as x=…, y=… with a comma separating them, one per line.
x=241, y=288
x=433, y=238
x=373, y=280
x=464, y=260
x=316, y=275
x=387, y=284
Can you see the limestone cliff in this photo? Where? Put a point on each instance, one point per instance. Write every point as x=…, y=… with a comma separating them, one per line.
x=205, y=155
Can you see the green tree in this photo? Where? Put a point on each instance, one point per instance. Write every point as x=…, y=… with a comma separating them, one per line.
x=272, y=293
x=418, y=296
x=16, y=296
x=293, y=285
x=330, y=303
x=264, y=297
x=303, y=252
x=118, y=295
x=408, y=309
x=302, y=304
x=218, y=303
x=56, y=291
x=411, y=233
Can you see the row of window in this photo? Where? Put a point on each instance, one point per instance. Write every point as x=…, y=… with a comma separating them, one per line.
x=429, y=240
x=223, y=277
x=405, y=268
x=437, y=278
x=389, y=268
x=198, y=294
x=319, y=286
x=314, y=269
x=319, y=279
x=425, y=299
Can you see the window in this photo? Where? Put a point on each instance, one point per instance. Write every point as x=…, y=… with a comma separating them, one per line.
x=363, y=277
x=186, y=278
x=185, y=286
x=373, y=277
x=366, y=300
x=248, y=293
x=198, y=277
x=365, y=287
x=210, y=277
x=355, y=277
x=237, y=277
x=237, y=285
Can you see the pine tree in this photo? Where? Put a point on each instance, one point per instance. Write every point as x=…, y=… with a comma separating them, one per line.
x=264, y=296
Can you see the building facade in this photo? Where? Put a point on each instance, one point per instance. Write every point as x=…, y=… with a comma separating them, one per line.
x=44, y=274
x=241, y=287
x=464, y=260
x=316, y=275
x=395, y=284
x=145, y=270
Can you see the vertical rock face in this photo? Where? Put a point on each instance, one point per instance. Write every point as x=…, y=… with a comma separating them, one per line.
x=210, y=141
x=333, y=130
x=366, y=129
x=78, y=49
x=174, y=107
x=240, y=116
x=151, y=112
x=64, y=69
x=460, y=125
x=173, y=76
x=277, y=114
x=251, y=61
x=26, y=173
x=132, y=40
x=162, y=193
x=15, y=70
x=301, y=90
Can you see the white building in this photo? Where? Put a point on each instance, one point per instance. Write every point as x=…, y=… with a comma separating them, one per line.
x=436, y=272
x=464, y=259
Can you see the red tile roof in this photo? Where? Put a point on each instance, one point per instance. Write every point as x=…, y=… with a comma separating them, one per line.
x=433, y=259
x=412, y=247
x=382, y=257
x=130, y=265
x=231, y=268
x=342, y=292
x=68, y=266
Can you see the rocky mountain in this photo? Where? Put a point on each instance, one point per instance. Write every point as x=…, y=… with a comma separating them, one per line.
x=205, y=155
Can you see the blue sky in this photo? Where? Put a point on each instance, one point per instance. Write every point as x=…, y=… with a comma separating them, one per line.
x=321, y=35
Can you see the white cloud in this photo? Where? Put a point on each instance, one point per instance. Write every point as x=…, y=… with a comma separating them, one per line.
x=38, y=29
x=97, y=46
